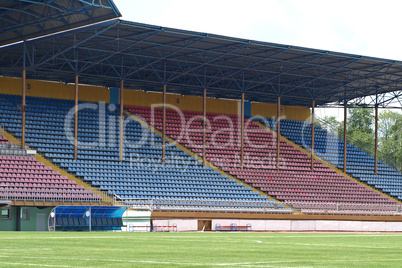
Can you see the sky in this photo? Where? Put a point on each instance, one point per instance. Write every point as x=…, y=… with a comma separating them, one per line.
x=368, y=28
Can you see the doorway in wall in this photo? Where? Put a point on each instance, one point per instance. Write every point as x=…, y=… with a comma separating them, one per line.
x=204, y=225
x=41, y=222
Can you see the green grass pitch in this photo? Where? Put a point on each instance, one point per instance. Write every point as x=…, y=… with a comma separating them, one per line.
x=222, y=249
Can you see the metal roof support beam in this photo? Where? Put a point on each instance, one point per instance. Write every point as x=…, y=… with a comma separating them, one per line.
x=242, y=131
x=121, y=120
x=240, y=56
x=278, y=131
x=76, y=118
x=76, y=44
x=204, y=125
x=93, y=3
x=376, y=137
x=323, y=76
x=24, y=88
x=164, y=124
x=312, y=134
x=345, y=117
x=287, y=71
x=224, y=57
x=76, y=99
x=37, y=14
x=385, y=102
x=212, y=60
x=247, y=68
x=374, y=74
x=218, y=66
x=396, y=95
x=163, y=58
x=266, y=78
x=119, y=51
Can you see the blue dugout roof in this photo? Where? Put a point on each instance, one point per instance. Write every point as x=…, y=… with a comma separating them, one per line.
x=95, y=211
x=86, y=218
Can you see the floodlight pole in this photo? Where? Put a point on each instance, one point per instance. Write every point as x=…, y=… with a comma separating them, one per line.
x=164, y=124
x=204, y=123
x=121, y=120
x=312, y=134
x=76, y=119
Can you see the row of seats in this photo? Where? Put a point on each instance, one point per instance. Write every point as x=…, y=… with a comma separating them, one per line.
x=359, y=164
x=83, y=224
x=295, y=182
x=23, y=177
x=98, y=161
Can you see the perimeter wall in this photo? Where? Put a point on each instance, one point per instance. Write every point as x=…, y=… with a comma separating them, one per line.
x=289, y=225
x=34, y=219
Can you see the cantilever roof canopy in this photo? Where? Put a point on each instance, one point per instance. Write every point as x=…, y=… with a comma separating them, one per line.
x=147, y=57
x=25, y=19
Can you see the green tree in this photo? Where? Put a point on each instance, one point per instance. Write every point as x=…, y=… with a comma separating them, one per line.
x=387, y=122
x=360, y=128
x=390, y=138
x=360, y=119
x=360, y=133
x=329, y=123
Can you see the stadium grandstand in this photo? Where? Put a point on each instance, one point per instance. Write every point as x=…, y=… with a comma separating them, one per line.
x=105, y=115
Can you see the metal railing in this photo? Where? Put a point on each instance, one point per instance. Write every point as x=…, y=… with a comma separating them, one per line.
x=347, y=208
x=63, y=194
x=263, y=207
x=13, y=150
x=50, y=194
x=205, y=205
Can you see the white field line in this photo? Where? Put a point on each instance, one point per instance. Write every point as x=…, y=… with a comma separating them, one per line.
x=327, y=245
x=260, y=241
x=193, y=263
x=265, y=242
x=207, y=236
x=243, y=235
x=224, y=240
x=39, y=265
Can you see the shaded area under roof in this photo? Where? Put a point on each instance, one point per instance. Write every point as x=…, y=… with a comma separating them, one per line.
x=148, y=56
x=5, y=203
x=24, y=19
